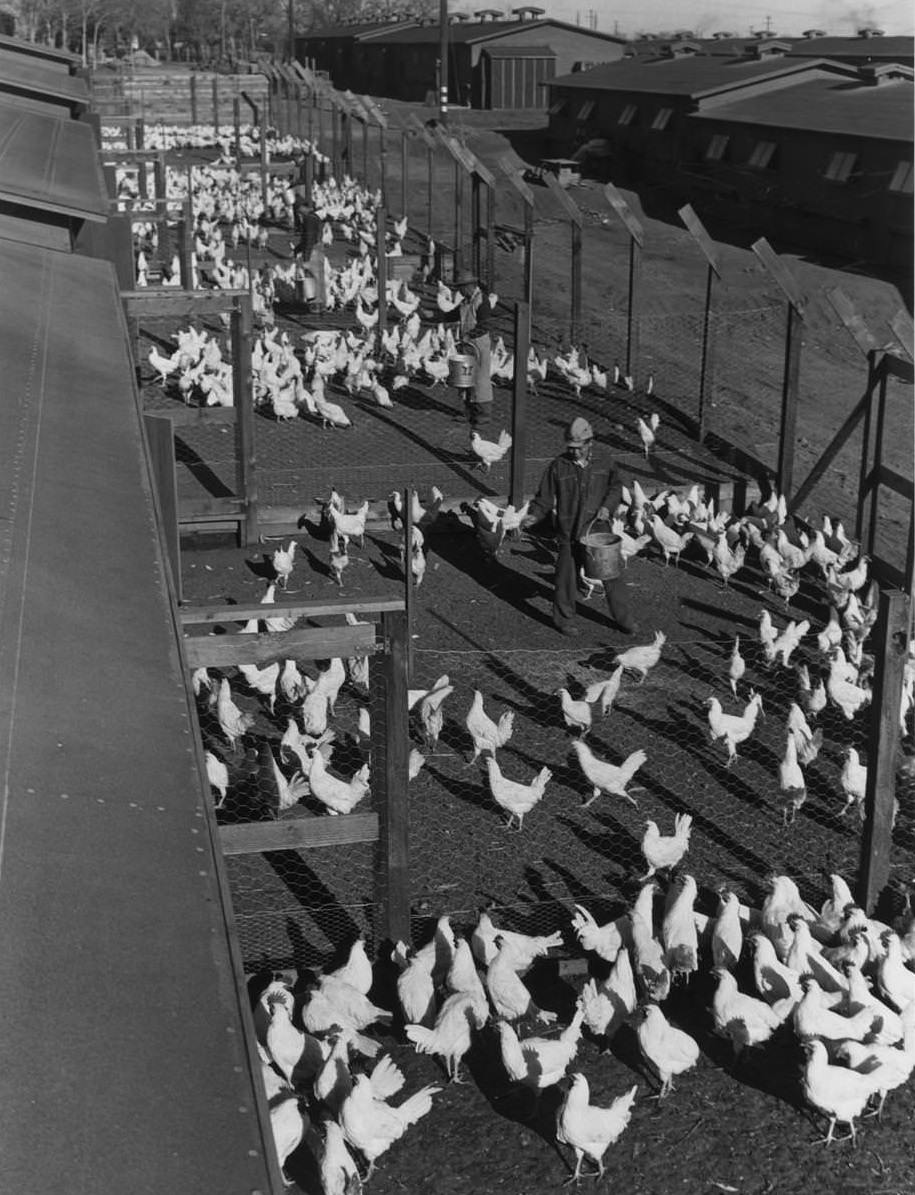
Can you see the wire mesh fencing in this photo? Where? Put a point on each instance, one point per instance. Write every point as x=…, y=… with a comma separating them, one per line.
x=580, y=841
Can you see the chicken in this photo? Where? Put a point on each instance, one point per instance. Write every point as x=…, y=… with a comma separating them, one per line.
x=463, y=978
x=575, y=714
x=490, y=452
x=357, y=970
x=233, y=723
x=540, y=1062
x=662, y=852
x=218, y=776
x=895, y=980
x=774, y=979
x=647, y=952
x=286, y=1044
x=849, y=697
x=515, y=798
x=647, y=429
x=338, y=561
x=606, y=777
x=339, y=796
x=670, y=542
x=806, y=741
x=287, y=792
x=338, y=1172
x=667, y=1049
x=787, y=642
x=336, y=1002
x=486, y=937
x=643, y=658
x=805, y=956
x=838, y=1092
x=726, y=932
x=508, y=994
x=451, y=1035
x=608, y=1004
x=604, y=940
x=782, y=900
x=288, y=1124
x=832, y=912
x=737, y=667
x=812, y=1018
x=679, y=935
x=791, y=784
x=589, y=1129
x=853, y=780
x=887, y=1066
x=486, y=734
x=350, y=526
x=372, y=1125
x=283, y=560
x=415, y=986
x=733, y=728
x=262, y=680
x=431, y=715
x=604, y=691
x=744, y=1020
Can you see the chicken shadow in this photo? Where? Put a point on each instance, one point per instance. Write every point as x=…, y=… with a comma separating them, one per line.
x=503, y=582
x=263, y=567
x=325, y=907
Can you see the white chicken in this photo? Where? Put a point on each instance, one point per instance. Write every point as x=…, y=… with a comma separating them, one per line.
x=339, y=796
x=606, y=777
x=451, y=1035
x=642, y=658
x=575, y=714
x=486, y=734
x=490, y=452
x=233, y=722
x=664, y=851
x=372, y=1125
x=589, y=1129
x=515, y=798
x=668, y=1050
x=540, y=1062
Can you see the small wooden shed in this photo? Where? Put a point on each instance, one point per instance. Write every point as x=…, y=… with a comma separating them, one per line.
x=513, y=75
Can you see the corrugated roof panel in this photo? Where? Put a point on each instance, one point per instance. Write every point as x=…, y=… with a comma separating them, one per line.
x=684, y=76
x=132, y=1061
x=31, y=49
x=36, y=77
x=481, y=31
x=841, y=106
x=51, y=164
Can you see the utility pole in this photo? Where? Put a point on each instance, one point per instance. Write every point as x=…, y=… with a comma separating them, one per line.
x=291, y=15
x=443, y=55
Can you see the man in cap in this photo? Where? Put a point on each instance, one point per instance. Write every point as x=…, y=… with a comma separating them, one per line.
x=578, y=489
x=474, y=322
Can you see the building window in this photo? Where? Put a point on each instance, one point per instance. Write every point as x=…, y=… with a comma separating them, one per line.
x=840, y=167
x=627, y=116
x=763, y=155
x=586, y=109
x=902, y=179
x=662, y=119
x=557, y=107
x=717, y=148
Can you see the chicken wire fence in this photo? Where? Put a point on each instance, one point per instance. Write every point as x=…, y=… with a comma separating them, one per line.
x=293, y=907
x=571, y=849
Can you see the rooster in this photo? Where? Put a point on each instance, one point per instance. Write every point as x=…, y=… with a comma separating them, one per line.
x=588, y=1128
x=663, y=852
x=607, y=777
x=283, y=559
x=347, y=526
x=233, y=722
x=372, y=1125
x=490, y=452
x=337, y=795
x=791, y=784
x=540, y=1062
x=516, y=799
x=647, y=429
x=643, y=658
x=733, y=728
x=486, y=734
x=451, y=1035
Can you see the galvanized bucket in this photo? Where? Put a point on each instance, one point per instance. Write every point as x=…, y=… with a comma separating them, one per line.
x=603, y=554
x=462, y=367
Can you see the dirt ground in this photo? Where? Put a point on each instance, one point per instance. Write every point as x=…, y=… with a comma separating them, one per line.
x=740, y=1127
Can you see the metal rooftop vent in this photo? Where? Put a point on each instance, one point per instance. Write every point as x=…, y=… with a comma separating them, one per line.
x=491, y=14
x=811, y=33
x=870, y=31
x=720, y=36
x=526, y=13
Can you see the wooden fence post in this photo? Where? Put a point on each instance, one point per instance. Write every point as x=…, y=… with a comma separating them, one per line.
x=216, y=105
x=236, y=119
x=404, y=175
x=185, y=268
x=263, y=167
x=892, y=638
x=697, y=231
x=160, y=436
x=391, y=746
x=791, y=376
x=409, y=584
x=243, y=398
x=636, y=239
x=120, y=239
x=519, y=405
x=193, y=87
x=381, y=250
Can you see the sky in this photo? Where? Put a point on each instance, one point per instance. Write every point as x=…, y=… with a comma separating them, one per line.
x=837, y=17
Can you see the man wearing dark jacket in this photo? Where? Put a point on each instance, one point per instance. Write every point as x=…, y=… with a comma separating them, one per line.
x=577, y=489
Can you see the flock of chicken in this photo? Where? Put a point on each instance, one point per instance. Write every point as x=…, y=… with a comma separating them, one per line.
x=838, y=983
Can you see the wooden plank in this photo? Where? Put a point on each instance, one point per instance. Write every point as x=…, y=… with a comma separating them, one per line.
x=301, y=643
x=898, y=368
x=161, y=440
x=300, y=833
x=892, y=638
x=391, y=745
x=569, y=205
x=697, y=231
x=519, y=404
x=375, y=112
x=182, y=416
x=511, y=172
x=431, y=142
x=787, y=436
x=630, y=221
x=780, y=274
x=181, y=303
x=243, y=395
x=852, y=320
x=885, y=476
x=194, y=615
x=199, y=509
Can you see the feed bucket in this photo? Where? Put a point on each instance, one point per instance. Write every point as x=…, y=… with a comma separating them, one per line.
x=603, y=554
x=462, y=367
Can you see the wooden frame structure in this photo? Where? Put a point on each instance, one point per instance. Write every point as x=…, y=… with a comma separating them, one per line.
x=242, y=507
x=709, y=250
x=387, y=640
x=636, y=233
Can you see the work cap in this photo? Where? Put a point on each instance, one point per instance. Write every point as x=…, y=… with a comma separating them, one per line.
x=464, y=278
x=579, y=432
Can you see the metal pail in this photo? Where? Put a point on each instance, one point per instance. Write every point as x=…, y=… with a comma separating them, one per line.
x=462, y=367
x=603, y=554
